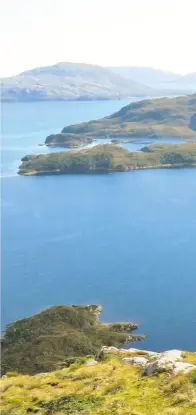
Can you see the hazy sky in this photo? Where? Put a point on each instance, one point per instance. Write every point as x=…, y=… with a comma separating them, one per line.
x=158, y=33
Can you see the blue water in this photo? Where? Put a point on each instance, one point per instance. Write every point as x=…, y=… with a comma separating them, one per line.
x=125, y=240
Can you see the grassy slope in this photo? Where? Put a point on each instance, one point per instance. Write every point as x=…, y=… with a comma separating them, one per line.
x=110, y=387
x=109, y=157
x=163, y=117
x=44, y=341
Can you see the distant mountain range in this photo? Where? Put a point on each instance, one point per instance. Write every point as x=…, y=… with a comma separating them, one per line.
x=149, y=76
x=78, y=81
x=187, y=80
x=70, y=81
x=157, y=78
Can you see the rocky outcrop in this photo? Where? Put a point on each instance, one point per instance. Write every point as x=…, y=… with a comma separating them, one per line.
x=168, y=361
x=151, y=362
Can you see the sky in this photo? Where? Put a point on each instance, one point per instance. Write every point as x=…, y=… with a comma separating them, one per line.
x=156, y=33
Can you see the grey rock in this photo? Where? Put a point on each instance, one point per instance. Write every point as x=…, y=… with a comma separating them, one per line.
x=170, y=360
x=183, y=367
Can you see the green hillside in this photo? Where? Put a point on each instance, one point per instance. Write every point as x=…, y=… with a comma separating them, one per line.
x=163, y=117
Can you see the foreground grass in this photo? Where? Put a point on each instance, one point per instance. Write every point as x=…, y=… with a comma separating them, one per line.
x=189, y=357
x=110, y=387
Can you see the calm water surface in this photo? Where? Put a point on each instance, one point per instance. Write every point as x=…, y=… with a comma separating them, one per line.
x=125, y=240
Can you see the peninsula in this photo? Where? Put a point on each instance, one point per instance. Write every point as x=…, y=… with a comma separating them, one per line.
x=52, y=338
x=162, y=117
x=105, y=158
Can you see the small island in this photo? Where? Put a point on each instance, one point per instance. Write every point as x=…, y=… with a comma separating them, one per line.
x=67, y=140
x=106, y=158
x=154, y=118
x=122, y=141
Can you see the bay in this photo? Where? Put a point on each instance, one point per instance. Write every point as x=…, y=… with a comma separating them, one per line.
x=124, y=240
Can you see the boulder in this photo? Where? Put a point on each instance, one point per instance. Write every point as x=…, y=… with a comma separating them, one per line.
x=183, y=367
x=171, y=355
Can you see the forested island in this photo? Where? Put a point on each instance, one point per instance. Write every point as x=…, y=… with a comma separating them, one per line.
x=110, y=158
x=155, y=118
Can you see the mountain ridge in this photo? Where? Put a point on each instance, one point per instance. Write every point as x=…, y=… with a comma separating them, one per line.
x=149, y=74
x=158, y=78
x=70, y=81
x=81, y=81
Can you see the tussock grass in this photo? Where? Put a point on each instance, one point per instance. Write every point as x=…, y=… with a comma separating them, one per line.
x=110, y=387
x=189, y=357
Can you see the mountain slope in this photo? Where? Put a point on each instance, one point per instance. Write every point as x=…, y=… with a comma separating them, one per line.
x=70, y=81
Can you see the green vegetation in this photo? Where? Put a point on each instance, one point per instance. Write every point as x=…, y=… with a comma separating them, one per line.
x=163, y=117
x=56, y=336
x=189, y=357
x=109, y=387
x=110, y=157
